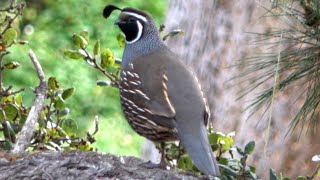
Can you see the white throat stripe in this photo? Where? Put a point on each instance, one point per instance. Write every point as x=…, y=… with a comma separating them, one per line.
x=140, y=29
x=137, y=16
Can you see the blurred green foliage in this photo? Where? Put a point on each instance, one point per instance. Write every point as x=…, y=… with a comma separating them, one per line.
x=48, y=25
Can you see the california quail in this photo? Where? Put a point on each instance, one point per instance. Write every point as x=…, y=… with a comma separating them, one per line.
x=161, y=98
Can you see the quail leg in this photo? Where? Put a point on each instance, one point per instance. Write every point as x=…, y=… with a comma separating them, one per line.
x=162, y=165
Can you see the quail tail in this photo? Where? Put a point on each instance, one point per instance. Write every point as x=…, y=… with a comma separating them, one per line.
x=197, y=145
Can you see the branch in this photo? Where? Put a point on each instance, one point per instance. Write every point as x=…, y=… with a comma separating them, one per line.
x=19, y=9
x=7, y=92
x=81, y=165
x=29, y=127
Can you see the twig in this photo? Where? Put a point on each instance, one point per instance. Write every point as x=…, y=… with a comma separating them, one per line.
x=113, y=78
x=29, y=127
x=7, y=92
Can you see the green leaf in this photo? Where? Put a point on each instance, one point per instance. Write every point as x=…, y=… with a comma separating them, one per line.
x=240, y=151
x=23, y=119
x=9, y=36
x=223, y=161
x=12, y=65
x=73, y=54
x=215, y=147
x=7, y=99
x=43, y=117
x=79, y=41
x=64, y=112
x=172, y=151
x=103, y=83
x=213, y=138
x=69, y=126
x=18, y=99
x=185, y=162
x=53, y=83
x=85, y=147
x=252, y=175
x=96, y=49
x=85, y=35
x=107, y=58
x=121, y=40
x=228, y=171
x=11, y=111
x=252, y=169
x=53, y=132
x=59, y=103
x=249, y=147
x=273, y=175
x=228, y=141
x=218, y=138
x=67, y=93
x=173, y=33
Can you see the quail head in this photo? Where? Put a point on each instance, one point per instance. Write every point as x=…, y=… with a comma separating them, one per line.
x=160, y=96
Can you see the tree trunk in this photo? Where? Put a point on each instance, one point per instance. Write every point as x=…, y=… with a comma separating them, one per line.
x=214, y=40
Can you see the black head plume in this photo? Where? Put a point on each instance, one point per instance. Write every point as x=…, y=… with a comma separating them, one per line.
x=108, y=10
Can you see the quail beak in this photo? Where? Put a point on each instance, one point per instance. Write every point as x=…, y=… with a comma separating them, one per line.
x=118, y=21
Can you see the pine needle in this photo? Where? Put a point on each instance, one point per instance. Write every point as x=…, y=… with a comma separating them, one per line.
x=275, y=87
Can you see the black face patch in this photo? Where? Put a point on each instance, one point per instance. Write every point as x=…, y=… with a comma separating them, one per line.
x=130, y=29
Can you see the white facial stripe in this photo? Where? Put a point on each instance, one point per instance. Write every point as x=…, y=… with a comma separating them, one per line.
x=140, y=28
x=137, y=16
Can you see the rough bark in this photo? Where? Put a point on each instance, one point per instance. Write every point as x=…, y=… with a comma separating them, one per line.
x=214, y=41
x=80, y=165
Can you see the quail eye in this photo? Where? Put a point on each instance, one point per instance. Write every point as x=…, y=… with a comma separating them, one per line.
x=132, y=20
